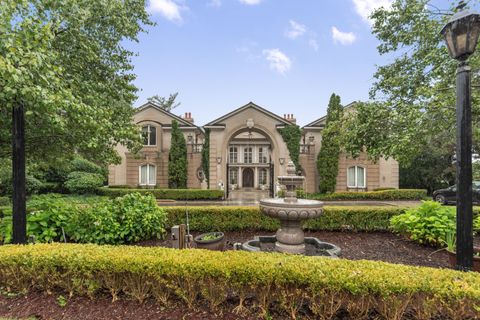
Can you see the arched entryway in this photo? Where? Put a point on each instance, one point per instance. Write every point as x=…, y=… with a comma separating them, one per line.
x=248, y=178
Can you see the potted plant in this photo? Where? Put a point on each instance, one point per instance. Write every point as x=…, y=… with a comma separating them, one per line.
x=210, y=241
x=450, y=241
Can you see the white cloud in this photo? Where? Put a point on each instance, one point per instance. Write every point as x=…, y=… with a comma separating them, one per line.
x=215, y=3
x=250, y=2
x=365, y=7
x=295, y=30
x=344, y=38
x=169, y=9
x=314, y=44
x=278, y=60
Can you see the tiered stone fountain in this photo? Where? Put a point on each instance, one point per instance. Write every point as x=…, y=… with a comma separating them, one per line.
x=291, y=212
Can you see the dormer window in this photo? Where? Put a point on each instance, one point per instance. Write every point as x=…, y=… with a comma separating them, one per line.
x=149, y=134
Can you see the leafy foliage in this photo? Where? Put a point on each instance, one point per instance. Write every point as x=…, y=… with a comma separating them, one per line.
x=414, y=93
x=206, y=156
x=177, y=159
x=327, y=160
x=65, y=61
x=272, y=283
x=126, y=219
x=165, y=103
x=291, y=135
x=83, y=182
x=430, y=223
x=84, y=165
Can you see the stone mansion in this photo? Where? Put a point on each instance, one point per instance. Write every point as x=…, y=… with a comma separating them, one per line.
x=246, y=153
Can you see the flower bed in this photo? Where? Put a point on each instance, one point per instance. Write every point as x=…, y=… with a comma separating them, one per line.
x=171, y=194
x=259, y=283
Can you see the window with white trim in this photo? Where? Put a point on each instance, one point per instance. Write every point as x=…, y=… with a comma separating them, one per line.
x=263, y=176
x=149, y=134
x=147, y=175
x=233, y=155
x=233, y=176
x=248, y=155
x=262, y=154
x=356, y=177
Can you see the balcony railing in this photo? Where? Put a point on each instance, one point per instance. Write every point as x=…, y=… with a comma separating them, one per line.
x=306, y=148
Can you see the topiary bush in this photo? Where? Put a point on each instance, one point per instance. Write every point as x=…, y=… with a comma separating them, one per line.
x=396, y=194
x=259, y=284
x=83, y=182
x=84, y=165
x=429, y=223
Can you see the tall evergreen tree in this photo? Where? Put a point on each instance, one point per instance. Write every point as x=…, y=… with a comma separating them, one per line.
x=177, y=159
x=327, y=160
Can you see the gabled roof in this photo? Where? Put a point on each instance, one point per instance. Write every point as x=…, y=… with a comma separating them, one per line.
x=182, y=122
x=320, y=122
x=218, y=122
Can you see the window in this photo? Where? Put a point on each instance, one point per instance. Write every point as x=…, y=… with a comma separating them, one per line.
x=262, y=154
x=356, y=177
x=233, y=178
x=248, y=155
x=149, y=134
x=233, y=152
x=147, y=175
x=263, y=176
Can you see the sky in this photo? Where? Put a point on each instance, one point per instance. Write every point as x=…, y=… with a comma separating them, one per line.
x=287, y=56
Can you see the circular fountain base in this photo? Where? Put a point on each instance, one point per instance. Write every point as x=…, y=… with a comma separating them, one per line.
x=312, y=246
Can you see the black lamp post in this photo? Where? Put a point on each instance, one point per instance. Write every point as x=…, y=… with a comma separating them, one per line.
x=461, y=35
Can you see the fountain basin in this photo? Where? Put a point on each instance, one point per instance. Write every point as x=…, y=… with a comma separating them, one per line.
x=313, y=246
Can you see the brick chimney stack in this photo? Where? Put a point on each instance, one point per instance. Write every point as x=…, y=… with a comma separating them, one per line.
x=290, y=118
x=188, y=117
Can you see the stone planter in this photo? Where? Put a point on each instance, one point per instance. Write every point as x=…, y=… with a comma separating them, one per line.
x=452, y=257
x=211, y=244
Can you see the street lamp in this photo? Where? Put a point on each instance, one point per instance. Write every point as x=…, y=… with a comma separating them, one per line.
x=461, y=36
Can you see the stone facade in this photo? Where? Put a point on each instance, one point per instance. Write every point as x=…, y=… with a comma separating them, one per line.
x=247, y=152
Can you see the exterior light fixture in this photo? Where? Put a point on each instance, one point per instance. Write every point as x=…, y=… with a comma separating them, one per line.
x=461, y=36
x=281, y=160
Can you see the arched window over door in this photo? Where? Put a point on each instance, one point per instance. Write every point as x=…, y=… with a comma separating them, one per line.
x=147, y=175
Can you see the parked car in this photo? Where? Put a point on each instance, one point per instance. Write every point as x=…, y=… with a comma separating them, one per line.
x=448, y=195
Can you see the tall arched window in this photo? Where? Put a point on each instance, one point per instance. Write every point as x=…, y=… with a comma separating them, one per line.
x=149, y=134
x=233, y=155
x=147, y=175
x=356, y=177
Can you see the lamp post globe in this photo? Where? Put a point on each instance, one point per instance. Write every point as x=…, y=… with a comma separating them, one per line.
x=461, y=36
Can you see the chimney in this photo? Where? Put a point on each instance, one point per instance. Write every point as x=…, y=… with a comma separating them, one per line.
x=188, y=117
x=290, y=118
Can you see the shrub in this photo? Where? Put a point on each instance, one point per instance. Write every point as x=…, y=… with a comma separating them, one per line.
x=4, y=201
x=396, y=194
x=84, y=165
x=83, y=182
x=429, y=223
x=284, y=284
x=208, y=219
x=32, y=185
x=126, y=219
x=172, y=194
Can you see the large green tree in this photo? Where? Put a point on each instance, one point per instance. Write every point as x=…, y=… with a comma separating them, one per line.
x=177, y=159
x=327, y=159
x=65, y=71
x=414, y=94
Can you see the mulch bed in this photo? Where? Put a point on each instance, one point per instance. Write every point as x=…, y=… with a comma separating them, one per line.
x=380, y=246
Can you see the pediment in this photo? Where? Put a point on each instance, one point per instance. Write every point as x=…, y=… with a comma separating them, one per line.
x=149, y=112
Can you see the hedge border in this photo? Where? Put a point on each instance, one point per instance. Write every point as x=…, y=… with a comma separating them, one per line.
x=390, y=195
x=167, y=194
x=285, y=284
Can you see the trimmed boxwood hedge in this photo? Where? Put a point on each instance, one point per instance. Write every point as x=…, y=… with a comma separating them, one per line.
x=170, y=194
x=355, y=218
x=286, y=285
x=395, y=194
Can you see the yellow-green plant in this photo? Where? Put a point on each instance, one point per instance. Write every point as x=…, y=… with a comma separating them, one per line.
x=289, y=284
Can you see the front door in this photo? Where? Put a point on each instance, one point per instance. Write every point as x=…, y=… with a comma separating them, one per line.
x=247, y=178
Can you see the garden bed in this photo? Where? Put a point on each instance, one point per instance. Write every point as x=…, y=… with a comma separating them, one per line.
x=379, y=246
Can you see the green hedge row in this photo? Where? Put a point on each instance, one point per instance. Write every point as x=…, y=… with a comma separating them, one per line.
x=254, y=283
x=396, y=194
x=206, y=219
x=171, y=194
